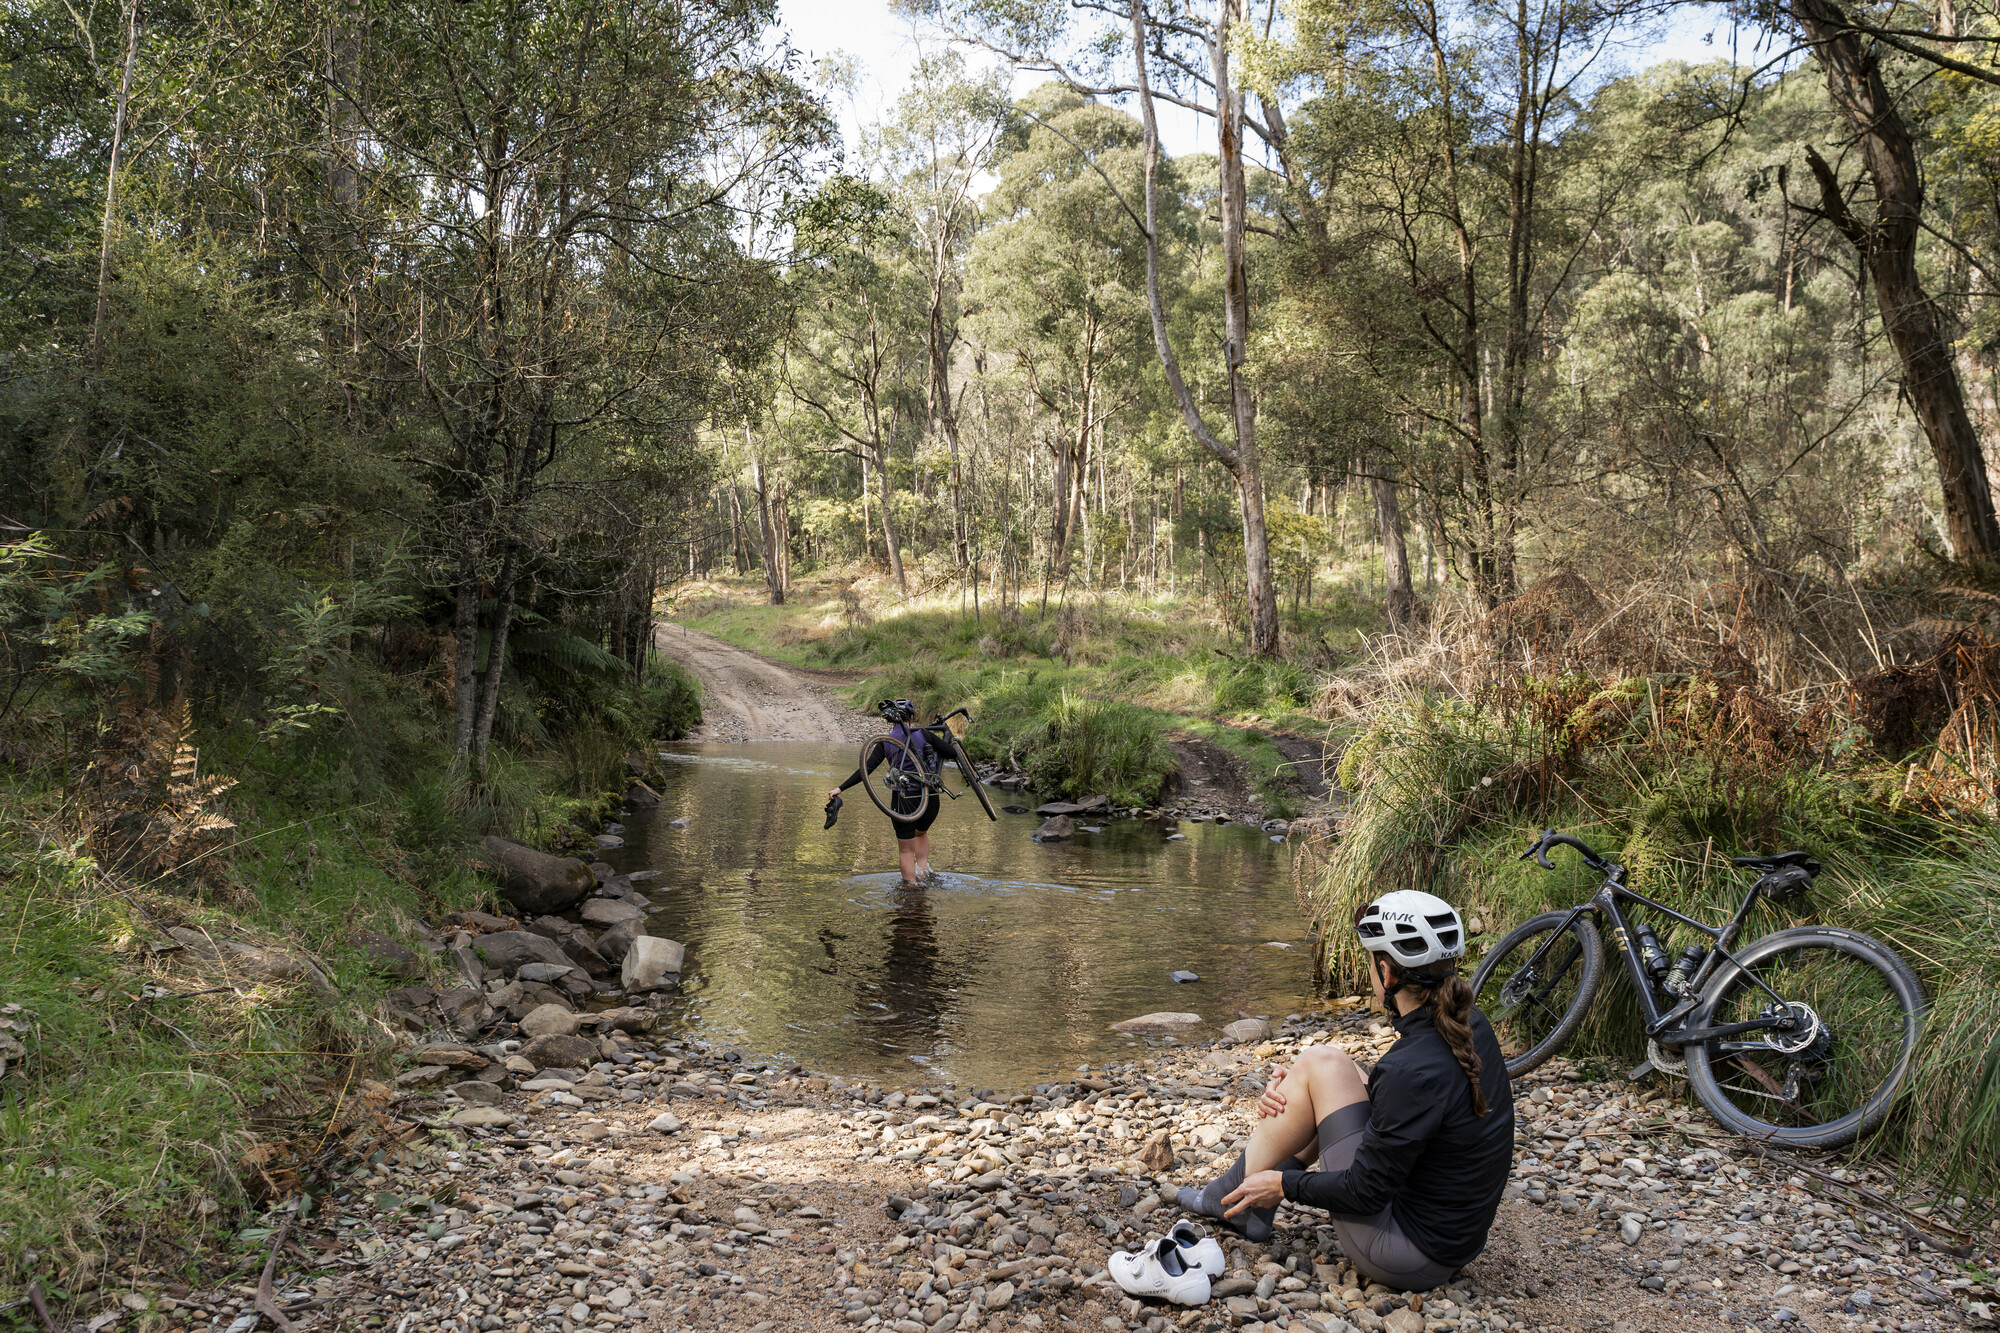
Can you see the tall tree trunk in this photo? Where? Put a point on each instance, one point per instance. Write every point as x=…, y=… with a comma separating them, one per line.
x=1241, y=458
x=496, y=659
x=739, y=542
x=773, y=540
x=1887, y=242
x=121, y=105
x=888, y=519
x=943, y=414
x=1401, y=600
x=465, y=652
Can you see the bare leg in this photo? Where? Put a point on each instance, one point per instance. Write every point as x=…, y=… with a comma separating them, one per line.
x=923, y=845
x=1320, y=1082
x=906, y=857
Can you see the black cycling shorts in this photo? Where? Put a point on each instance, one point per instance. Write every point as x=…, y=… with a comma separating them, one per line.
x=907, y=829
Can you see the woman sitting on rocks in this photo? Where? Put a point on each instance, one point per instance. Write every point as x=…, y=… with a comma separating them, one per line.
x=1412, y=1161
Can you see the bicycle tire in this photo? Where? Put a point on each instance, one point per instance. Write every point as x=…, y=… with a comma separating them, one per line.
x=971, y=776
x=1527, y=936
x=1900, y=987
x=884, y=786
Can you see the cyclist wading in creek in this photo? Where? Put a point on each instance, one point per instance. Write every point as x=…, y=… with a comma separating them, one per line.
x=903, y=774
x=1412, y=1159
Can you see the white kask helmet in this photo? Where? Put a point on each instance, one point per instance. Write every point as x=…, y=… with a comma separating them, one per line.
x=1412, y=929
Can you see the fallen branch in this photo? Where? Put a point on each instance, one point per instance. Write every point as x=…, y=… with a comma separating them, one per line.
x=41, y=1306
x=266, y=1303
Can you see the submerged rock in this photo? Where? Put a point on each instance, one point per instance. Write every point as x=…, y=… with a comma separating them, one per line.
x=1055, y=829
x=610, y=912
x=1163, y=1021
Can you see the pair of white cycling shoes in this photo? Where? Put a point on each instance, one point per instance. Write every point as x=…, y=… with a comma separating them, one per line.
x=1179, y=1266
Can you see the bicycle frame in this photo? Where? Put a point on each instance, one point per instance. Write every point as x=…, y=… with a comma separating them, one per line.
x=1657, y=1022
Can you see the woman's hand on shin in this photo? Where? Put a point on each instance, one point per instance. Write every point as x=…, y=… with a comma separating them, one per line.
x=1266, y=1189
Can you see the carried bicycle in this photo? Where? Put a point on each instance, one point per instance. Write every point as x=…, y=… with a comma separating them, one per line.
x=902, y=773
x=1803, y=1037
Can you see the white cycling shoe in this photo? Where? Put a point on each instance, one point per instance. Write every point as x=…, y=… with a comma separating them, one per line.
x=1159, y=1271
x=1198, y=1249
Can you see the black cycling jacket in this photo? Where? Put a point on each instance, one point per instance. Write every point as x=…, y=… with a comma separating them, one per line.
x=1439, y=1168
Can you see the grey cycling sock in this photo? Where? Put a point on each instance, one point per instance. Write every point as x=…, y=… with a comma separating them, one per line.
x=1254, y=1223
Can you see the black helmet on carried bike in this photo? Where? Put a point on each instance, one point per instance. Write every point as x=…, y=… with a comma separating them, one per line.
x=897, y=710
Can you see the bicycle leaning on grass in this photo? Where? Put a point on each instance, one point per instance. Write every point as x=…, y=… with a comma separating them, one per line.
x=1803, y=1037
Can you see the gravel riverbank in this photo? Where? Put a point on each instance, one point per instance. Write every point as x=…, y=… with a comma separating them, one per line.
x=672, y=1186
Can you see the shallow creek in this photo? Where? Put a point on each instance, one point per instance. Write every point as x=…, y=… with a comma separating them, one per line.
x=802, y=941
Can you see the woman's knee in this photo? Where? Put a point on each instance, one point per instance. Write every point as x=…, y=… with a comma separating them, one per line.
x=1330, y=1059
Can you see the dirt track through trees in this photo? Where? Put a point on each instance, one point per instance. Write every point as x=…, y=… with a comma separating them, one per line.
x=745, y=697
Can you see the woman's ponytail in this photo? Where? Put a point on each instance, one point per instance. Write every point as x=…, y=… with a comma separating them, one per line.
x=1450, y=999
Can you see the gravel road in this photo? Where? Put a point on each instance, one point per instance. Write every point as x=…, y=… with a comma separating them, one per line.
x=750, y=698
x=674, y=1186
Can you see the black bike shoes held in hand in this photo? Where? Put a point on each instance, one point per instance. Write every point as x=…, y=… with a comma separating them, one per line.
x=832, y=811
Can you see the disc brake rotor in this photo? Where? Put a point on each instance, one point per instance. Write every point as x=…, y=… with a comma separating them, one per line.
x=1805, y=1033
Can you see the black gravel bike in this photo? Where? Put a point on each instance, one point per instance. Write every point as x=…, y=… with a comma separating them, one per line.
x=906, y=780
x=1803, y=1037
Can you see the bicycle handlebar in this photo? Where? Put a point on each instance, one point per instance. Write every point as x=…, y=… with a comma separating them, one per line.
x=1551, y=838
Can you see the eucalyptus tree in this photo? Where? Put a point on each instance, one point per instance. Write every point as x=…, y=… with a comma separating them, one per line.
x=1060, y=278
x=856, y=355
x=936, y=149
x=1878, y=205
x=550, y=257
x=1177, y=56
x=1459, y=216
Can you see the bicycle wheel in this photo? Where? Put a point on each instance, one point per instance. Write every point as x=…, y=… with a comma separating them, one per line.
x=1836, y=1073
x=1535, y=1007
x=895, y=779
x=966, y=771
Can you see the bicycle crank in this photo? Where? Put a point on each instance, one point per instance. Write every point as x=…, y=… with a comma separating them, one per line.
x=1672, y=1062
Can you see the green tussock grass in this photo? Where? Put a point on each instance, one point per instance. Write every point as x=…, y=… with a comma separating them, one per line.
x=1084, y=697
x=1447, y=794
x=132, y=1125
x=133, y=1130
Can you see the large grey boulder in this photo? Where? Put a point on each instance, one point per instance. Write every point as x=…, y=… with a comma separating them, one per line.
x=510, y=950
x=533, y=880
x=652, y=963
x=626, y=1019
x=466, y=1011
x=641, y=797
x=556, y=1052
x=550, y=1020
x=575, y=943
x=1082, y=807
x=1055, y=829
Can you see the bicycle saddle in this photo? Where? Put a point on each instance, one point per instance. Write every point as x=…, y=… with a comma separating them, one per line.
x=1779, y=861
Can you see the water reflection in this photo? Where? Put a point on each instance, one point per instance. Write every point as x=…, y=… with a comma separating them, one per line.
x=804, y=942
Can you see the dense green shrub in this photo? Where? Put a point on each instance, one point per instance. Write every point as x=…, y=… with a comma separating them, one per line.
x=1672, y=778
